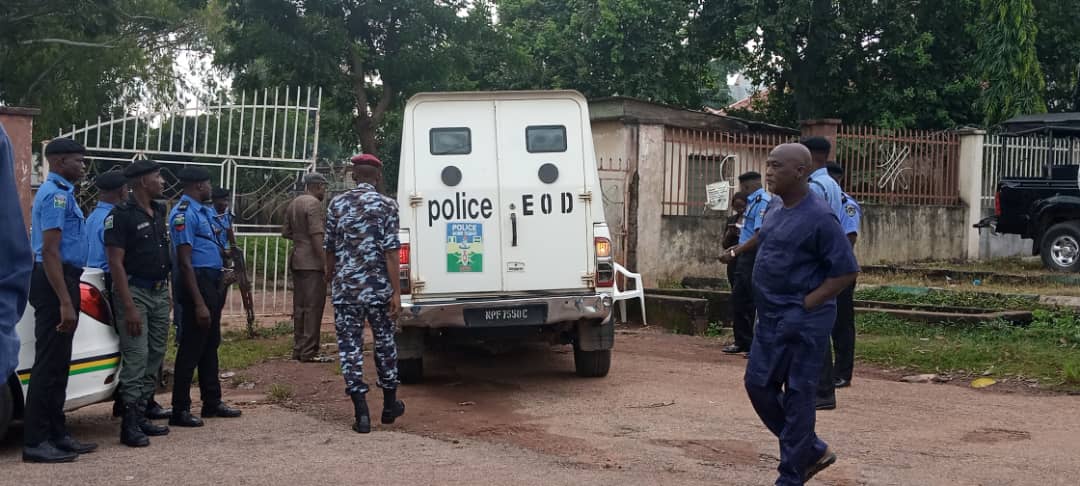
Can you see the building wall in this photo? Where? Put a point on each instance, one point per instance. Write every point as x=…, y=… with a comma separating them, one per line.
x=19, y=125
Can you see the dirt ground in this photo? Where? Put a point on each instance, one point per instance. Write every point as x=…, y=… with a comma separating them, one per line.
x=672, y=411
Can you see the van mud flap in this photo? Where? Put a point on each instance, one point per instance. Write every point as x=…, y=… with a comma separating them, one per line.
x=596, y=335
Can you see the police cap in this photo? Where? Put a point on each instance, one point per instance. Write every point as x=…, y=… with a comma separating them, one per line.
x=817, y=145
x=750, y=176
x=59, y=146
x=110, y=181
x=140, y=168
x=191, y=175
x=219, y=193
x=367, y=159
x=314, y=178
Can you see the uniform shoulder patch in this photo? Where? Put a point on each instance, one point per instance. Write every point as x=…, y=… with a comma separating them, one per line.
x=109, y=222
x=179, y=221
x=59, y=201
x=850, y=210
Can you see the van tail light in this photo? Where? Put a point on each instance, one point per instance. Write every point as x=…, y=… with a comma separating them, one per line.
x=93, y=303
x=997, y=204
x=605, y=263
x=406, y=281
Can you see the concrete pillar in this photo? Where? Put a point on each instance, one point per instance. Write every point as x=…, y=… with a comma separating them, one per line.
x=650, y=169
x=971, y=180
x=827, y=127
x=19, y=125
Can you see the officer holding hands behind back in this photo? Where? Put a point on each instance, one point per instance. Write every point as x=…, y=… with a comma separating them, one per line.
x=198, y=255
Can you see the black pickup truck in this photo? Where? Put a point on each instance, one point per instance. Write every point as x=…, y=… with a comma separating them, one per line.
x=1044, y=209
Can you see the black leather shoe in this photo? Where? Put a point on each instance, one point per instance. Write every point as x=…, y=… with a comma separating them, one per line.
x=841, y=383
x=392, y=407
x=184, y=418
x=825, y=404
x=220, y=410
x=47, y=453
x=69, y=444
x=154, y=411
x=733, y=349
x=826, y=460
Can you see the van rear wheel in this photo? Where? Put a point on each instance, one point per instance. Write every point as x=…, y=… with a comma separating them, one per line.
x=411, y=371
x=592, y=364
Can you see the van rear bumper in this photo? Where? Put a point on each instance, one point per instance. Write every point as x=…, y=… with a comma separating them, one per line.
x=454, y=313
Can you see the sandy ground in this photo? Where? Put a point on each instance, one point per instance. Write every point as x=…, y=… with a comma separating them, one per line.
x=673, y=411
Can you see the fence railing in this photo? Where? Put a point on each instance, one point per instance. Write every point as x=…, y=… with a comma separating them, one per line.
x=696, y=158
x=899, y=166
x=1005, y=156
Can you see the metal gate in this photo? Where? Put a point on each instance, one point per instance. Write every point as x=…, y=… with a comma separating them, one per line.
x=256, y=143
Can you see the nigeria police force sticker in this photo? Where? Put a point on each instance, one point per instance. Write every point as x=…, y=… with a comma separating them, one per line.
x=464, y=247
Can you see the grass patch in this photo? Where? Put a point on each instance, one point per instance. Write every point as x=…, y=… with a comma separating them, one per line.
x=1014, y=265
x=237, y=351
x=979, y=300
x=278, y=393
x=987, y=285
x=1048, y=350
x=714, y=330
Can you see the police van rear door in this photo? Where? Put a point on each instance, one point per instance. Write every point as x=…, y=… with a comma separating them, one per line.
x=456, y=246
x=544, y=227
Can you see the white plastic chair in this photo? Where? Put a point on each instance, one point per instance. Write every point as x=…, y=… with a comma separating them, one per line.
x=621, y=296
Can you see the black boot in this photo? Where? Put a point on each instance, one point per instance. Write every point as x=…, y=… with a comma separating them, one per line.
x=392, y=407
x=183, y=418
x=130, y=434
x=148, y=427
x=154, y=411
x=363, y=419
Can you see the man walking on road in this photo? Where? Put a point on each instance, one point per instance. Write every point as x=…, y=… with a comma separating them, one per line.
x=58, y=237
x=804, y=262
x=844, y=333
x=362, y=259
x=743, y=256
x=305, y=225
x=137, y=240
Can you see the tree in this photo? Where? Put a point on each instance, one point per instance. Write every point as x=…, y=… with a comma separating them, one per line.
x=367, y=55
x=1013, y=80
x=638, y=48
x=1058, y=48
x=84, y=59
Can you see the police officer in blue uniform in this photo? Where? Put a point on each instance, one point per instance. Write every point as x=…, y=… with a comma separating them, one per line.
x=743, y=256
x=844, y=333
x=198, y=261
x=113, y=189
x=16, y=263
x=362, y=246
x=58, y=239
x=804, y=262
x=825, y=187
x=223, y=216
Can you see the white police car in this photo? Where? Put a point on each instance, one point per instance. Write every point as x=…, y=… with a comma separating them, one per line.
x=502, y=225
x=95, y=355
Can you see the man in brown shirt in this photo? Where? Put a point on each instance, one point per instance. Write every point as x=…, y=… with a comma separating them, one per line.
x=305, y=224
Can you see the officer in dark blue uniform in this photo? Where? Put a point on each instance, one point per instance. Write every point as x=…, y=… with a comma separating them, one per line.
x=222, y=216
x=16, y=262
x=58, y=239
x=113, y=189
x=804, y=262
x=743, y=257
x=198, y=256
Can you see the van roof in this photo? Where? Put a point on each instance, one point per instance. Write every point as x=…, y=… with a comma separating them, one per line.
x=499, y=95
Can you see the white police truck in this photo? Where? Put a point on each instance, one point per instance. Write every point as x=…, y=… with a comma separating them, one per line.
x=502, y=225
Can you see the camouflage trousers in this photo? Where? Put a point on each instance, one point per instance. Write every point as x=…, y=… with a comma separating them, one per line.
x=349, y=323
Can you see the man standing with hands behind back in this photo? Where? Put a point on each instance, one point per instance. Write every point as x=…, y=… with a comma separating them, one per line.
x=805, y=261
x=305, y=225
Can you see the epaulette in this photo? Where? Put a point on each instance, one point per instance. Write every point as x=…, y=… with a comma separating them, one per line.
x=61, y=185
x=183, y=206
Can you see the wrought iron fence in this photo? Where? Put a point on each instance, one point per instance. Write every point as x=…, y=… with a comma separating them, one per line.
x=899, y=166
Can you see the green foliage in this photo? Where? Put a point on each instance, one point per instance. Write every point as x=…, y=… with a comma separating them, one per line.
x=715, y=329
x=1058, y=47
x=977, y=300
x=1012, y=76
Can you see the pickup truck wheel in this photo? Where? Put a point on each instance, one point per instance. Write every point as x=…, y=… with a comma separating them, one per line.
x=1060, y=247
x=592, y=364
x=7, y=408
x=411, y=371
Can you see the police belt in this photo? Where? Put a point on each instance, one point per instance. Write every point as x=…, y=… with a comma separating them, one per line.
x=148, y=284
x=211, y=273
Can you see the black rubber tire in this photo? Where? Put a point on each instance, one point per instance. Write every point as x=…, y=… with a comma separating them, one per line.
x=592, y=364
x=7, y=408
x=1070, y=230
x=411, y=371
